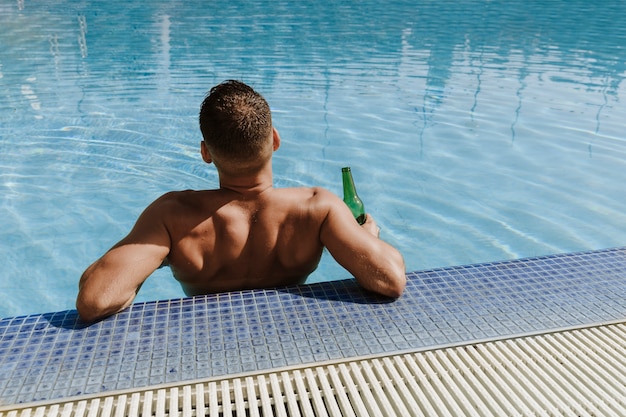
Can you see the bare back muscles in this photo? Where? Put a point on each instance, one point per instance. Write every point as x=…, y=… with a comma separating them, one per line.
x=221, y=240
x=226, y=241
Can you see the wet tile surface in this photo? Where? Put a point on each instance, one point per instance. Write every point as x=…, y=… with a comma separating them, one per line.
x=53, y=355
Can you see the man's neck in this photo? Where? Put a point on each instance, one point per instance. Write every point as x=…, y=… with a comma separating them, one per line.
x=253, y=184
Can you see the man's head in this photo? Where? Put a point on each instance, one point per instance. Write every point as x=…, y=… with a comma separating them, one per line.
x=236, y=125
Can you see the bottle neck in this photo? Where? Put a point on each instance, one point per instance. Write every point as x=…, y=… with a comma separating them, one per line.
x=348, y=183
x=350, y=196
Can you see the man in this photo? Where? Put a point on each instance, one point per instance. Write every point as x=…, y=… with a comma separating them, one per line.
x=244, y=235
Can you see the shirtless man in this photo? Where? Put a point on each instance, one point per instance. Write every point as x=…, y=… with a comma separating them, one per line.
x=244, y=235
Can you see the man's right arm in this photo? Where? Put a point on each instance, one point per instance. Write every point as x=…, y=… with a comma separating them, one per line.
x=111, y=283
x=376, y=265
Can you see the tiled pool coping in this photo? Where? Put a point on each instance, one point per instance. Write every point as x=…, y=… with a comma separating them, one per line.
x=49, y=356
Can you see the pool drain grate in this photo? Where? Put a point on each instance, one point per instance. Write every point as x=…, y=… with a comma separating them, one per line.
x=575, y=372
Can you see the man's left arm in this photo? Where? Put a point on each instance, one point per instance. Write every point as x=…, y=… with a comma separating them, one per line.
x=111, y=283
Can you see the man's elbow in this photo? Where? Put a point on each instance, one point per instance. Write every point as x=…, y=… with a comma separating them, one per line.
x=91, y=309
x=397, y=279
x=87, y=312
x=396, y=286
x=398, y=289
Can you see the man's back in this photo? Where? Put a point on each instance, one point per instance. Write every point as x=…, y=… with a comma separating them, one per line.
x=222, y=240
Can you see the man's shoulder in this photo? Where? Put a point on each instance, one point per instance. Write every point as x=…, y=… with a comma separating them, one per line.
x=313, y=193
x=316, y=199
x=176, y=197
x=178, y=200
x=176, y=205
x=188, y=195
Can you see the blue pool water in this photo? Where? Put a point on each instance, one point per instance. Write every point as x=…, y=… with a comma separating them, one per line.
x=476, y=130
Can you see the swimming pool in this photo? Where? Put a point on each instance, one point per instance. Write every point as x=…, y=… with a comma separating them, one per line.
x=477, y=131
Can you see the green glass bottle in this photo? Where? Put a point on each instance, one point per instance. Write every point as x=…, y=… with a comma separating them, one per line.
x=350, y=197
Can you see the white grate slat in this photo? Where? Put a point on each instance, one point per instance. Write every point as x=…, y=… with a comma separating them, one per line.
x=316, y=393
x=303, y=395
x=290, y=394
x=366, y=394
x=354, y=391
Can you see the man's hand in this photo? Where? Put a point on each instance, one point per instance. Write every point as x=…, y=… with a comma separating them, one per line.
x=371, y=226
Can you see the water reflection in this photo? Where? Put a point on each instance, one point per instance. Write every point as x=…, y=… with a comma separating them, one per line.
x=421, y=47
x=82, y=35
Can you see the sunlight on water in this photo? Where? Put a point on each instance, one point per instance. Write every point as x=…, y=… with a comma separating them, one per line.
x=476, y=131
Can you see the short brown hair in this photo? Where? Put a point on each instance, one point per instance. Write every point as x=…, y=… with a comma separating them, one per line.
x=235, y=121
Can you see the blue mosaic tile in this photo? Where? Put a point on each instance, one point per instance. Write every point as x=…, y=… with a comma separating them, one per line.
x=53, y=355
